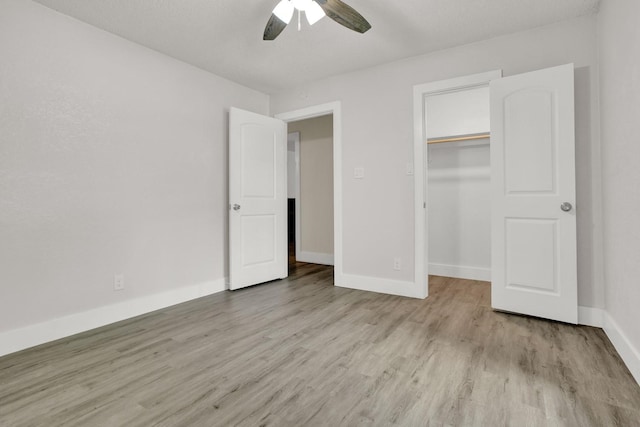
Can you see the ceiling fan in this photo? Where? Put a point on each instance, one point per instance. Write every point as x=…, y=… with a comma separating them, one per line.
x=314, y=10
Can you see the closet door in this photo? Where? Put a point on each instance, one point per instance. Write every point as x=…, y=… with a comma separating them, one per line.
x=533, y=194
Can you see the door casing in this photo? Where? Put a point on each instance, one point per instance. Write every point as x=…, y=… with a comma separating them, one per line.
x=334, y=108
x=420, y=92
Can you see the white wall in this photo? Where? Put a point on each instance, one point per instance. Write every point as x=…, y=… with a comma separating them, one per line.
x=113, y=159
x=459, y=203
x=291, y=165
x=458, y=113
x=316, y=189
x=378, y=135
x=459, y=185
x=619, y=43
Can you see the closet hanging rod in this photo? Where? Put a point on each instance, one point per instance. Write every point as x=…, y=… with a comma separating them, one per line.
x=458, y=138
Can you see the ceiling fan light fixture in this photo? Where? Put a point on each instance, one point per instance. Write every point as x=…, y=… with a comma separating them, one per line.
x=314, y=13
x=314, y=10
x=284, y=11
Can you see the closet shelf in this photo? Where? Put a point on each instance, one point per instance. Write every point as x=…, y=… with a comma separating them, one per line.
x=458, y=138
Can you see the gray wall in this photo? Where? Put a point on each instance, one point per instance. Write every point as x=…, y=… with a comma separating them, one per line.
x=620, y=104
x=112, y=160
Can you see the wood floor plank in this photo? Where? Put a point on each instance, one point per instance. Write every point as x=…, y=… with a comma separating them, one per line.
x=303, y=352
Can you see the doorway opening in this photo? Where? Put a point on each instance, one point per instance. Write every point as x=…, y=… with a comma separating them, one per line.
x=459, y=192
x=453, y=235
x=310, y=191
x=459, y=188
x=316, y=165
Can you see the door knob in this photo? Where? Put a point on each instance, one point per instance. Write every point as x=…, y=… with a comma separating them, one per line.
x=236, y=207
x=566, y=207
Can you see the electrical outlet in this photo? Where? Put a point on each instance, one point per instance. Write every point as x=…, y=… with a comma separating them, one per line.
x=358, y=173
x=397, y=264
x=118, y=282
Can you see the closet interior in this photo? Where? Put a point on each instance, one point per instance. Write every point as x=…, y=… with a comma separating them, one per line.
x=458, y=184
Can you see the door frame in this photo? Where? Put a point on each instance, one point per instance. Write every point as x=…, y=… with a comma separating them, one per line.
x=334, y=108
x=421, y=217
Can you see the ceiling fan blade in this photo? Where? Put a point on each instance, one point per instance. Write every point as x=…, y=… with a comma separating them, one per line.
x=344, y=15
x=274, y=28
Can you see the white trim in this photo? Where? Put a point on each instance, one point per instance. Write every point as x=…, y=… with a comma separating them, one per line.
x=625, y=348
x=298, y=207
x=419, y=157
x=421, y=274
x=384, y=286
x=334, y=108
x=590, y=316
x=51, y=330
x=315, y=257
x=460, y=272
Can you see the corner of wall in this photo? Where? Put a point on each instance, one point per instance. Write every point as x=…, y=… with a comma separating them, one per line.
x=623, y=345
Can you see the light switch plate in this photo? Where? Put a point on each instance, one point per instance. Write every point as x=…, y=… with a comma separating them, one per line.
x=410, y=168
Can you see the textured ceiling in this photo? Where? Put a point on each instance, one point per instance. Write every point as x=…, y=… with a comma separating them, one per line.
x=225, y=36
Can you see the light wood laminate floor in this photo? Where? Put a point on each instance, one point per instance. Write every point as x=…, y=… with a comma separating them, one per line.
x=300, y=352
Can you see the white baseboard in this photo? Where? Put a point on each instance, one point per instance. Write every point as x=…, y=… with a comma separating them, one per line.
x=40, y=333
x=460, y=272
x=383, y=286
x=315, y=258
x=625, y=348
x=589, y=316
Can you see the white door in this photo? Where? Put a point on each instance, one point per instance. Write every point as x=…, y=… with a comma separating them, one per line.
x=257, y=199
x=533, y=194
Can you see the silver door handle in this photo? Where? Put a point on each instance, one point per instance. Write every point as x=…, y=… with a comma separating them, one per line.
x=236, y=207
x=566, y=207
